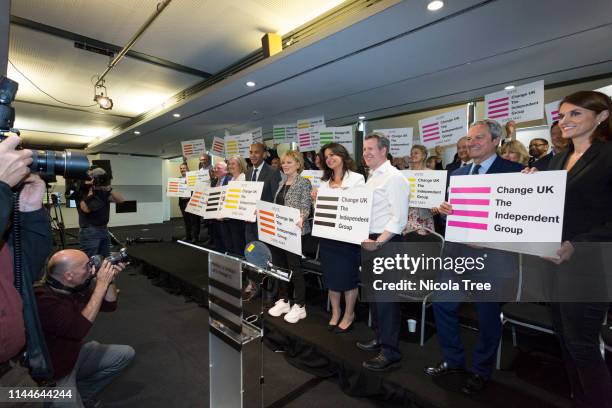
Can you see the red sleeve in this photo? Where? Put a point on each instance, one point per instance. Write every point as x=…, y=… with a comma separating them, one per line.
x=60, y=316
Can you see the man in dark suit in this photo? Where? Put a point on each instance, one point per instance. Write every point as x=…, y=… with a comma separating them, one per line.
x=260, y=171
x=538, y=150
x=483, y=138
x=559, y=144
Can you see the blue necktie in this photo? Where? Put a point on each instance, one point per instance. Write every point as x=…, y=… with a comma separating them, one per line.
x=476, y=169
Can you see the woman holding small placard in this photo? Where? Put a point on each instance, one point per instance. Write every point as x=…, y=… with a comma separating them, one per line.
x=233, y=230
x=293, y=191
x=340, y=261
x=585, y=120
x=418, y=218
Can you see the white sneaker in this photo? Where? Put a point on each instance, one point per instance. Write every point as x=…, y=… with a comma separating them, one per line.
x=296, y=313
x=280, y=307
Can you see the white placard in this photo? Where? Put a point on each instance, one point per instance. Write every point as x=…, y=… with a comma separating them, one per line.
x=314, y=176
x=343, y=214
x=400, y=139
x=193, y=148
x=177, y=187
x=307, y=138
x=284, y=133
x=197, y=176
x=521, y=104
x=197, y=203
x=552, y=112
x=277, y=226
x=238, y=145
x=213, y=198
x=256, y=135
x=427, y=187
x=218, y=146
x=508, y=208
x=342, y=135
x=240, y=201
x=444, y=129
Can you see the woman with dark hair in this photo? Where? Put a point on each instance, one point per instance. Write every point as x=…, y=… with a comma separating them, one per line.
x=585, y=120
x=339, y=260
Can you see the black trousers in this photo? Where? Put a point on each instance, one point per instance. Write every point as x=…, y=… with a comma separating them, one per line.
x=232, y=234
x=289, y=260
x=192, y=225
x=577, y=326
x=386, y=320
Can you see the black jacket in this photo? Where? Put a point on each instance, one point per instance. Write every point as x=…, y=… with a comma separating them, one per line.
x=36, y=244
x=270, y=178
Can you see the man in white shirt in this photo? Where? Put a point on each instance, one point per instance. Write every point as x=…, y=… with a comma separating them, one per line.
x=389, y=217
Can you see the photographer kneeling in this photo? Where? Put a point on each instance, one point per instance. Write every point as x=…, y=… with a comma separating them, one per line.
x=68, y=308
x=94, y=211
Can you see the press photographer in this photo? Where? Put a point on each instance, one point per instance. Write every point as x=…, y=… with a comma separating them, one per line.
x=94, y=198
x=68, y=304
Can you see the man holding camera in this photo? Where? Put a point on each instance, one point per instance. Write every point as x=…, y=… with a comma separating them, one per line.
x=19, y=322
x=68, y=308
x=94, y=212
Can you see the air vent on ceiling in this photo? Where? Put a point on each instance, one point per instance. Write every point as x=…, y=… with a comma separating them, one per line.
x=91, y=48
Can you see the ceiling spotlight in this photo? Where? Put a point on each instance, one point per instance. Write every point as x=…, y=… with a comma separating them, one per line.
x=176, y=115
x=136, y=132
x=435, y=5
x=509, y=87
x=250, y=84
x=361, y=117
x=101, y=98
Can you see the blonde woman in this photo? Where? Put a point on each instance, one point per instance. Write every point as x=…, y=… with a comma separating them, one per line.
x=293, y=191
x=515, y=151
x=418, y=218
x=233, y=230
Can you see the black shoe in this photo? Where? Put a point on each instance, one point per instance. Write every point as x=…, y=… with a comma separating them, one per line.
x=372, y=345
x=331, y=327
x=442, y=369
x=474, y=384
x=381, y=363
x=339, y=330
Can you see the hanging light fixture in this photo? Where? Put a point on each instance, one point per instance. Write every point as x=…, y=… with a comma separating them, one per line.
x=101, y=96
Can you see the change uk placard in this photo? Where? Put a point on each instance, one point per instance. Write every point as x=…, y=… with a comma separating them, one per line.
x=444, y=129
x=177, y=187
x=277, y=226
x=343, y=214
x=427, y=187
x=503, y=210
x=240, y=199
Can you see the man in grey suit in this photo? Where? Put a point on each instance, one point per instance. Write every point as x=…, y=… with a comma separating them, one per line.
x=261, y=171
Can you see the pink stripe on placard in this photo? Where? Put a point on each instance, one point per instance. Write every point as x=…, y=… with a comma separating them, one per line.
x=430, y=125
x=469, y=225
x=498, y=100
x=468, y=213
x=471, y=190
x=431, y=138
x=497, y=105
x=498, y=110
x=505, y=115
x=434, y=129
x=470, y=201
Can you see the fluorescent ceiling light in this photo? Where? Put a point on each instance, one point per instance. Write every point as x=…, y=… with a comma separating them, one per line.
x=435, y=5
x=509, y=87
x=250, y=84
x=361, y=117
x=136, y=132
x=176, y=115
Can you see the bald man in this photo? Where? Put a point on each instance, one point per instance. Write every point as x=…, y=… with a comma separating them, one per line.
x=68, y=305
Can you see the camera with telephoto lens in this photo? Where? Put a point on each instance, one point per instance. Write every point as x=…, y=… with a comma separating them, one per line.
x=47, y=163
x=119, y=257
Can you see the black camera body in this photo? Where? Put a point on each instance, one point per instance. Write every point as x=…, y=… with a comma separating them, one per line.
x=120, y=257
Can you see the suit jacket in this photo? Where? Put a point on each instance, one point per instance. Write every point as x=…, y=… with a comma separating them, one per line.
x=543, y=163
x=588, y=196
x=499, y=166
x=270, y=178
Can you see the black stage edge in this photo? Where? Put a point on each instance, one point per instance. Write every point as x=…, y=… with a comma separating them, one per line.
x=309, y=346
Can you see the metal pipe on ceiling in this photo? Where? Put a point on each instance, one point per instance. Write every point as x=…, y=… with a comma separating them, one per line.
x=160, y=7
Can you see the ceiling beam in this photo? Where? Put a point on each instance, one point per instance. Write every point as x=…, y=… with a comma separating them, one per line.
x=68, y=35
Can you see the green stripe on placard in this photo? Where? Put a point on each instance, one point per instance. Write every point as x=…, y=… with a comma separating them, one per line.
x=326, y=137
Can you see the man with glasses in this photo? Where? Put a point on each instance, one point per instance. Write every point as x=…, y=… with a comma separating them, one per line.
x=538, y=148
x=68, y=307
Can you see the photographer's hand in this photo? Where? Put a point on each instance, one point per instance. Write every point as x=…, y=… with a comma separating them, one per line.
x=30, y=198
x=14, y=164
x=104, y=278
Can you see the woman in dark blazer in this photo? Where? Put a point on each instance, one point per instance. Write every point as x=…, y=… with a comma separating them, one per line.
x=293, y=191
x=585, y=121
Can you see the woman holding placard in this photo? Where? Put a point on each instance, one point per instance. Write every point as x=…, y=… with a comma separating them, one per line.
x=418, y=218
x=585, y=120
x=340, y=261
x=233, y=230
x=293, y=191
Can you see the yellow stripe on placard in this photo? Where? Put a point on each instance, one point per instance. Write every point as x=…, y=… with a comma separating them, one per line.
x=412, y=179
x=232, y=201
x=234, y=190
x=231, y=207
x=233, y=195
